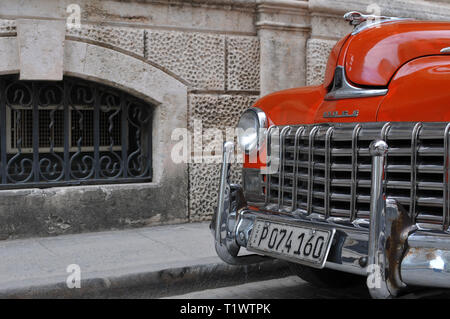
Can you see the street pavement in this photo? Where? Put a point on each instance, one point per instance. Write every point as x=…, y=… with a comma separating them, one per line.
x=291, y=287
x=152, y=262
x=158, y=260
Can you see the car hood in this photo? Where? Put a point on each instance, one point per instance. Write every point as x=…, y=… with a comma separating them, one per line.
x=372, y=56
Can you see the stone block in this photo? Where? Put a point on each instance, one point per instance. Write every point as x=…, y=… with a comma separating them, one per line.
x=41, y=49
x=282, y=60
x=9, y=56
x=204, y=187
x=198, y=58
x=243, y=63
x=128, y=39
x=215, y=112
x=317, y=54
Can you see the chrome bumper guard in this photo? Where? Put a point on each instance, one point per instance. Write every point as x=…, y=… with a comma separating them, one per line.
x=392, y=252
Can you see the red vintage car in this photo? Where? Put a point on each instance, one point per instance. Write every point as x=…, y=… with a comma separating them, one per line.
x=351, y=178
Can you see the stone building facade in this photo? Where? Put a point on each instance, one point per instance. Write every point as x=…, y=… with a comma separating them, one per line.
x=186, y=61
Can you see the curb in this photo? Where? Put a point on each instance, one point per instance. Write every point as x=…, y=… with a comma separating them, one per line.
x=160, y=283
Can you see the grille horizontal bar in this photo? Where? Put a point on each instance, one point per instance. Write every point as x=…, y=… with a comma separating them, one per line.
x=326, y=169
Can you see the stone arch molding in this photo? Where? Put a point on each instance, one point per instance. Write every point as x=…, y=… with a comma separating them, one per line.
x=114, y=68
x=144, y=203
x=169, y=95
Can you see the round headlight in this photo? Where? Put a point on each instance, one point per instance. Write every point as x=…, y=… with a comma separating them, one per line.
x=251, y=127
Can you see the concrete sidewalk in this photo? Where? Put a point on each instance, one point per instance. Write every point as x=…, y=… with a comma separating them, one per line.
x=162, y=261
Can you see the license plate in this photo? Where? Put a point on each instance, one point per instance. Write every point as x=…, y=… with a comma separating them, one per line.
x=301, y=244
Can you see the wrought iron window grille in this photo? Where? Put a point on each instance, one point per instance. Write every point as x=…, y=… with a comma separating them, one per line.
x=72, y=132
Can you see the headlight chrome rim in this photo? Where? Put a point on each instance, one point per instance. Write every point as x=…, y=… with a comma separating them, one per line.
x=261, y=130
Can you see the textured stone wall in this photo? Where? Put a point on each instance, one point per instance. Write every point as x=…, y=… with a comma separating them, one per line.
x=317, y=52
x=215, y=112
x=203, y=186
x=221, y=110
x=198, y=58
x=128, y=39
x=243, y=63
x=223, y=74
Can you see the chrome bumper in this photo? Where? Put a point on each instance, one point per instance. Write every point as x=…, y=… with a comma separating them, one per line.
x=391, y=251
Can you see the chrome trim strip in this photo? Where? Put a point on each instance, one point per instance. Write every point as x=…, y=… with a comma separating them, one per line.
x=224, y=187
x=268, y=154
x=342, y=89
x=377, y=231
x=284, y=131
x=354, y=182
x=298, y=133
x=312, y=135
x=414, y=138
x=429, y=240
x=262, y=118
x=446, y=175
x=364, y=26
x=262, y=122
x=426, y=267
x=384, y=136
x=427, y=261
x=230, y=201
x=326, y=203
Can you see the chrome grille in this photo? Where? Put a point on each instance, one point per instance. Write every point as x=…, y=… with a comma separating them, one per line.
x=326, y=169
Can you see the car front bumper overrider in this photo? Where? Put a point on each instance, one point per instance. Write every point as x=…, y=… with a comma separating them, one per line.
x=391, y=251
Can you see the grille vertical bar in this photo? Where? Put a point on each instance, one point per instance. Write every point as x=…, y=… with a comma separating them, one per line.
x=446, y=194
x=284, y=131
x=328, y=135
x=312, y=135
x=298, y=134
x=268, y=160
x=354, y=184
x=384, y=136
x=414, y=141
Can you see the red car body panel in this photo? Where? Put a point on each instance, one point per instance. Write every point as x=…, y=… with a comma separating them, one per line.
x=403, y=57
x=373, y=56
x=420, y=91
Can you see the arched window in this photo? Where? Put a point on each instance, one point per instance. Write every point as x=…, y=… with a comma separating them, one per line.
x=72, y=132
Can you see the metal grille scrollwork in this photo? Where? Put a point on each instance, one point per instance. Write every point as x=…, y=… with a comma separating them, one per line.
x=72, y=132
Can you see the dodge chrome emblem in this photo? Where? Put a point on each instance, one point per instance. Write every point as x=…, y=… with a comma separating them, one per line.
x=343, y=114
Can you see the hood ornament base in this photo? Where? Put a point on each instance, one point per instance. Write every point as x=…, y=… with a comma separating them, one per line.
x=362, y=21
